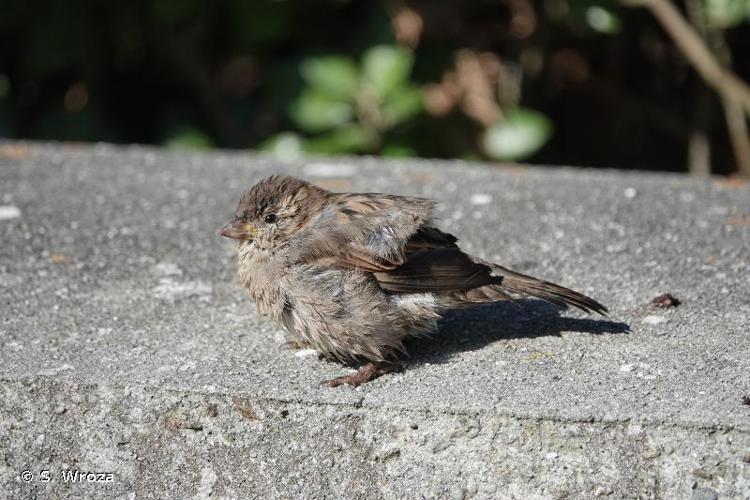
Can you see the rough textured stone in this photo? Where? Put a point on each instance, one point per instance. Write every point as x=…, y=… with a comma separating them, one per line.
x=126, y=347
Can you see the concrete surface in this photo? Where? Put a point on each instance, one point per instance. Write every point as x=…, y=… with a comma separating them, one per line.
x=127, y=349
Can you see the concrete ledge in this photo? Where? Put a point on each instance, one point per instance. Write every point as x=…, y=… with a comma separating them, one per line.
x=126, y=348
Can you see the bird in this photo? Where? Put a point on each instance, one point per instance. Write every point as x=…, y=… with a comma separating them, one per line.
x=352, y=275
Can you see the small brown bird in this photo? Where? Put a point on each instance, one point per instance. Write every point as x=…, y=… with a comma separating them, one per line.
x=351, y=275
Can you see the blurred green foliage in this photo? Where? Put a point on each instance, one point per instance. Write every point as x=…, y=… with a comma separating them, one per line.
x=520, y=134
x=585, y=82
x=726, y=13
x=350, y=108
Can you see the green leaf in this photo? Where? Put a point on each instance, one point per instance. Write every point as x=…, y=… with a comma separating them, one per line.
x=398, y=151
x=286, y=145
x=404, y=103
x=189, y=138
x=386, y=67
x=603, y=19
x=726, y=13
x=316, y=112
x=334, y=76
x=521, y=133
x=352, y=139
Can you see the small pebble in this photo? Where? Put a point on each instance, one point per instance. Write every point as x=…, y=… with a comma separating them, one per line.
x=480, y=199
x=654, y=320
x=329, y=170
x=305, y=352
x=8, y=212
x=665, y=300
x=457, y=492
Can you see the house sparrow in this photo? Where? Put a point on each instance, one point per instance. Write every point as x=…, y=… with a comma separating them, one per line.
x=351, y=275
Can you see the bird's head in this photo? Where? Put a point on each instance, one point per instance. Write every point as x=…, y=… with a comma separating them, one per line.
x=270, y=212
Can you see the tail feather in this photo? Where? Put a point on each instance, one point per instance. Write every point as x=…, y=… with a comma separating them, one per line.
x=520, y=283
x=481, y=295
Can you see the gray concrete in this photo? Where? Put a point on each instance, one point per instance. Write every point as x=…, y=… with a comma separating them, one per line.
x=126, y=348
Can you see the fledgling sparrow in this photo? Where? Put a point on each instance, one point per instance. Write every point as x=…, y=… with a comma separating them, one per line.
x=351, y=275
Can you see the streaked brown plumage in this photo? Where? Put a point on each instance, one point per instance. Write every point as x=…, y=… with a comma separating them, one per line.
x=353, y=274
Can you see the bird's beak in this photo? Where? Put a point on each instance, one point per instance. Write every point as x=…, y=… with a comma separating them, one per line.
x=238, y=230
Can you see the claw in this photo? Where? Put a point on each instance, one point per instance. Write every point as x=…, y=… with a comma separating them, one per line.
x=366, y=373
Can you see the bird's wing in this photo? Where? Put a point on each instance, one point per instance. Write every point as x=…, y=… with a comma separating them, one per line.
x=434, y=263
x=368, y=231
x=390, y=236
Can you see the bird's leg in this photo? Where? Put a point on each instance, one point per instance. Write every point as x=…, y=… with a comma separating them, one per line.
x=366, y=373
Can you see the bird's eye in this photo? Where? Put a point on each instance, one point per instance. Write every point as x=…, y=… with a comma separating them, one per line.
x=270, y=218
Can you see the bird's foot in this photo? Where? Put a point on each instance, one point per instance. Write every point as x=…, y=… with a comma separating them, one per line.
x=366, y=373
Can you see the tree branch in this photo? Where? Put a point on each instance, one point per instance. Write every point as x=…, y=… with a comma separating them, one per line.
x=695, y=51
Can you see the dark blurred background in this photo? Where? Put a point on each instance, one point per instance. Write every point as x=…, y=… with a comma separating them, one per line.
x=596, y=83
